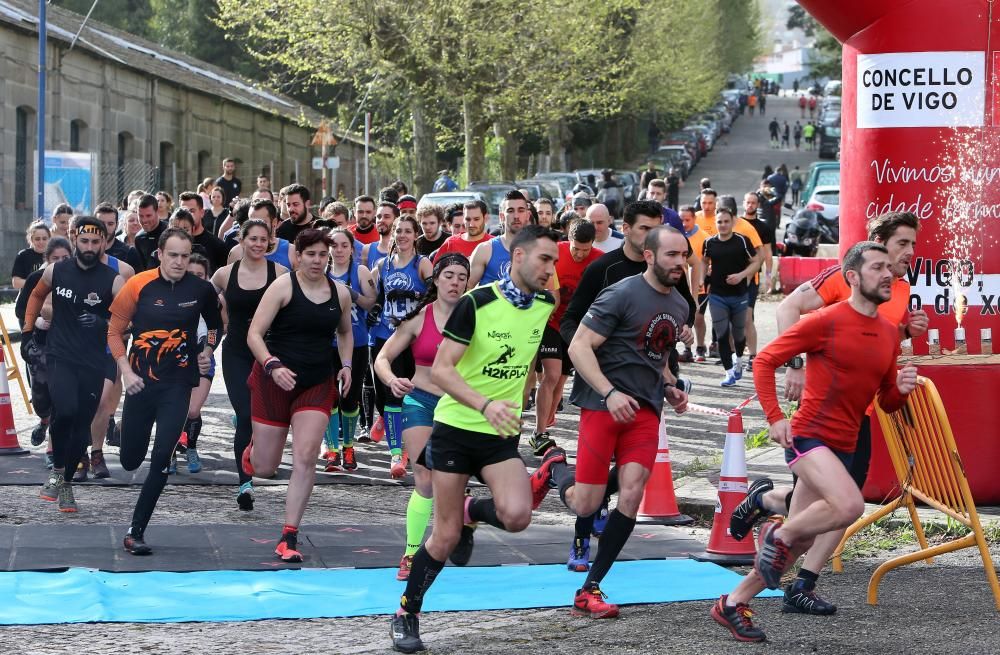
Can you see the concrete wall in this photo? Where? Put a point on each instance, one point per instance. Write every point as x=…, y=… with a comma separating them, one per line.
x=110, y=98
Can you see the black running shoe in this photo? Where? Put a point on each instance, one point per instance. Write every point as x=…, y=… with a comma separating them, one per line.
x=540, y=443
x=405, y=631
x=463, y=550
x=39, y=433
x=806, y=601
x=136, y=545
x=737, y=620
x=748, y=513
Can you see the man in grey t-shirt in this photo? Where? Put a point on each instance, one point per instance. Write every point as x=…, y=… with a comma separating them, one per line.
x=620, y=354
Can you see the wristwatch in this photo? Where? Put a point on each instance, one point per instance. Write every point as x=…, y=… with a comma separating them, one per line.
x=796, y=362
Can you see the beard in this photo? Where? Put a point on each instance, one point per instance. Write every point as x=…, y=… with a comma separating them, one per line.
x=663, y=275
x=382, y=229
x=872, y=294
x=88, y=259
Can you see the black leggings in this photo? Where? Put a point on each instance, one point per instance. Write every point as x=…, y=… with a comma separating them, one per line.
x=359, y=364
x=403, y=366
x=166, y=405
x=78, y=390
x=235, y=371
x=38, y=379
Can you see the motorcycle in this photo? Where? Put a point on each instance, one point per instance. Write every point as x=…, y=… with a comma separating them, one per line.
x=802, y=234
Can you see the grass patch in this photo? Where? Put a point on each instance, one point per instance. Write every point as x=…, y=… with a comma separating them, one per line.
x=890, y=533
x=698, y=465
x=763, y=438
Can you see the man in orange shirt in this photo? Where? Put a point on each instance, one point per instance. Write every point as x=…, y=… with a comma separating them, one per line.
x=897, y=231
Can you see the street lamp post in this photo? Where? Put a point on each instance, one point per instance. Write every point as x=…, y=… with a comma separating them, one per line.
x=40, y=163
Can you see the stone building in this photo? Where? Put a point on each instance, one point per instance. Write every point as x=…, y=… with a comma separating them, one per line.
x=151, y=118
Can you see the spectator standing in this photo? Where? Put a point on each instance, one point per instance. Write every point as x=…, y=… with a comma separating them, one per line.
x=230, y=184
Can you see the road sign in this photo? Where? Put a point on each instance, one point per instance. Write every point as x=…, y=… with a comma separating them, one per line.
x=331, y=163
x=317, y=163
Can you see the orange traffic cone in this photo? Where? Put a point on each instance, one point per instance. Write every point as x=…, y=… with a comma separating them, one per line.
x=722, y=548
x=8, y=433
x=659, y=505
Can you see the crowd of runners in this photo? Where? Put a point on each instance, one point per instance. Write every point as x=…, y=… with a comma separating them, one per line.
x=417, y=326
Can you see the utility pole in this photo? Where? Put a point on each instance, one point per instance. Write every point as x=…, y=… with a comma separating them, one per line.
x=40, y=163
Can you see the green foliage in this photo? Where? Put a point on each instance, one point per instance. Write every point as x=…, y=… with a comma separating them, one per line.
x=758, y=440
x=798, y=18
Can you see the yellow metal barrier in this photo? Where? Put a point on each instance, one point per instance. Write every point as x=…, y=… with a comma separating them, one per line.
x=13, y=370
x=929, y=468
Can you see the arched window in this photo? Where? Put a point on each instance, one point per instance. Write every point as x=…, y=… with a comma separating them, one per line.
x=204, y=164
x=166, y=181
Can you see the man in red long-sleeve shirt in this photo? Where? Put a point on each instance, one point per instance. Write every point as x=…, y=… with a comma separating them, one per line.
x=852, y=356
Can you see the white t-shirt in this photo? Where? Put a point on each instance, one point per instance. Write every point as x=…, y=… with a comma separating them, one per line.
x=609, y=244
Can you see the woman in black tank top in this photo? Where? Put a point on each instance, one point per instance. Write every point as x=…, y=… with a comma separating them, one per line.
x=243, y=284
x=291, y=384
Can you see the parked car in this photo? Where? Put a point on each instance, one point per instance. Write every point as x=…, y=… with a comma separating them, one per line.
x=446, y=198
x=545, y=189
x=833, y=88
x=820, y=173
x=494, y=192
x=564, y=179
x=629, y=180
x=706, y=133
x=679, y=158
x=825, y=200
x=829, y=141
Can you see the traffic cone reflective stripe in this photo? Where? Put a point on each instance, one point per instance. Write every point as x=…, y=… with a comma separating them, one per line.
x=8, y=433
x=659, y=505
x=722, y=548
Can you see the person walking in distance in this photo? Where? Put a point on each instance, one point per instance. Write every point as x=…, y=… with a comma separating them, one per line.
x=243, y=284
x=821, y=438
x=477, y=420
x=162, y=306
x=292, y=384
x=620, y=352
x=83, y=290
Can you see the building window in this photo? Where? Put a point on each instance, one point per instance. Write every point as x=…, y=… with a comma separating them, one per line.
x=204, y=164
x=125, y=177
x=24, y=124
x=77, y=136
x=167, y=167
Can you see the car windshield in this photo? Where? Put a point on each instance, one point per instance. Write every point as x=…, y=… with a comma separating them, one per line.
x=828, y=177
x=828, y=197
x=446, y=199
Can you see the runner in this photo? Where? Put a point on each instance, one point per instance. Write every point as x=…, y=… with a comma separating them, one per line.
x=243, y=284
x=147, y=241
x=214, y=249
x=358, y=280
x=546, y=211
x=696, y=237
x=475, y=433
x=364, y=216
x=731, y=262
x=421, y=333
x=61, y=217
x=820, y=441
x=292, y=383
x=279, y=250
x=620, y=353
x=474, y=213
x=762, y=279
x=33, y=350
x=490, y=260
x=107, y=214
x=400, y=279
x=574, y=256
x=299, y=213
x=897, y=231
x=75, y=351
x=432, y=232
x=198, y=266
x=31, y=258
x=162, y=305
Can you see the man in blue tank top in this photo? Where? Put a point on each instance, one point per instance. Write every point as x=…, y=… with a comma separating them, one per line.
x=491, y=259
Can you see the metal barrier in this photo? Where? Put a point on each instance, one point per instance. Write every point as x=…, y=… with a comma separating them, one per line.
x=929, y=469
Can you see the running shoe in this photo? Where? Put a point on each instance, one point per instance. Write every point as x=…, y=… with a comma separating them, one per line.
x=362, y=436
x=540, y=442
x=50, y=490
x=590, y=602
x=115, y=435
x=377, y=432
x=730, y=379
x=39, y=433
x=579, y=555
x=287, y=548
x=405, y=631
x=350, y=463
x=182, y=443
x=397, y=466
x=559, y=407
x=686, y=357
x=749, y=512
x=81, y=469
x=99, y=466
x=601, y=519
x=806, y=601
x=699, y=356
x=172, y=466
x=737, y=367
x=245, y=460
x=332, y=461
x=541, y=478
x=67, y=503
x=136, y=545
x=750, y=363
x=49, y=462
x=462, y=553
x=193, y=461
x=405, y=564
x=244, y=498
x=531, y=401
x=737, y=620
x=772, y=555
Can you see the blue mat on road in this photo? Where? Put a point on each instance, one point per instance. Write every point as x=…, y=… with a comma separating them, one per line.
x=87, y=595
